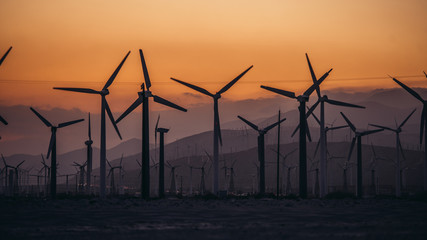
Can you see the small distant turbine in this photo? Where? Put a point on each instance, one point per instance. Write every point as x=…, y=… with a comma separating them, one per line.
x=358, y=137
x=399, y=150
x=261, y=154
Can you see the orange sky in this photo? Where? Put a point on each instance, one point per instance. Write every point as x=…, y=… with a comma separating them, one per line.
x=80, y=43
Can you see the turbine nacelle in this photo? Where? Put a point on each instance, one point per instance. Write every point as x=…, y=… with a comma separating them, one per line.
x=104, y=92
x=89, y=142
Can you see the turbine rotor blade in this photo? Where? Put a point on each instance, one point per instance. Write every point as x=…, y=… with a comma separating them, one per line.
x=295, y=131
x=114, y=75
x=110, y=115
x=255, y=127
x=310, y=90
x=5, y=55
x=317, y=148
x=51, y=143
x=310, y=111
x=273, y=125
x=382, y=127
x=81, y=90
x=134, y=105
x=315, y=117
x=313, y=75
x=167, y=103
x=308, y=131
x=279, y=91
x=155, y=130
x=61, y=125
x=401, y=148
x=339, y=127
x=17, y=166
x=353, y=128
x=407, y=118
x=145, y=70
x=371, y=132
x=412, y=92
x=44, y=120
x=230, y=84
x=339, y=103
x=194, y=87
x=3, y=120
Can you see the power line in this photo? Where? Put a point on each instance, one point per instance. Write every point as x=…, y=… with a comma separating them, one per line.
x=8, y=81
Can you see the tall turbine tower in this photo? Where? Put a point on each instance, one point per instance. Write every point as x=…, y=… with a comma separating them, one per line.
x=52, y=147
x=143, y=97
x=322, y=99
x=104, y=108
x=89, y=143
x=217, y=128
x=423, y=127
x=302, y=99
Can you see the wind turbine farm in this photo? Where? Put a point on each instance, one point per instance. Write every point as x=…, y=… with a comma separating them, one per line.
x=217, y=158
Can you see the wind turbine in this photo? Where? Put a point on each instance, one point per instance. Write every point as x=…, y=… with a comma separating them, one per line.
x=46, y=169
x=111, y=172
x=89, y=143
x=172, y=189
x=322, y=99
x=284, y=157
x=104, y=108
x=162, y=132
x=302, y=99
x=399, y=148
x=261, y=154
x=217, y=128
x=6, y=166
x=81, y=175
x=143, y=97
x=4, y=56
x=231, y=188
x=423, y=127
x=52, y=147
x=358, y=137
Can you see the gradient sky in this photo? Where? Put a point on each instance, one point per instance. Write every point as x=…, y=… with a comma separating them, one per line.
x=79, y=44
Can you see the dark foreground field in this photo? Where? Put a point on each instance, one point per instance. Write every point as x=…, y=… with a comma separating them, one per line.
x=213, y=219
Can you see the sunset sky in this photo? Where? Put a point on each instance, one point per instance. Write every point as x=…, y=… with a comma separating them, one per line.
x=80, y=43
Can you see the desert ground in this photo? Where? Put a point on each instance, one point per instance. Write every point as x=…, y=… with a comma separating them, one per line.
x=265, y=218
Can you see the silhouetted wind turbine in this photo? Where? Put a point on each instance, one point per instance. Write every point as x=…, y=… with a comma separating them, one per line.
x=322, y=99
x=399, y=148
x=423, y=127
x=52, y=147
x=5, y=55
x=261, y=155
x=162, y=132
x=143, y=97
x=104, y=108
x=172, y=189
x=111, y=172
x=217, y=127
x=358, y=136
x=81, y=175
x=89, y=143
x=302, y=99
x=284, y=157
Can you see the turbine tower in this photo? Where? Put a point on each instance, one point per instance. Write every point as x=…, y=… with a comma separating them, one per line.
x=217, y=128
x=104, y=108
x=399, y=150
x=302, y=99
x=358, y=137
x=5, y=55
x=143, y=97
x=52, y=147
x=89, y=143
x=322, y=99
x=261, y=154
x=423, y=127
x=162, y=132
